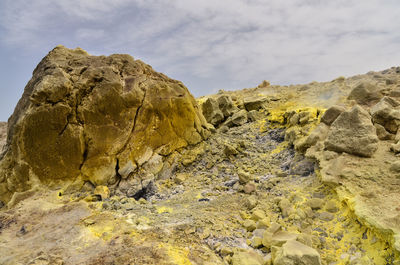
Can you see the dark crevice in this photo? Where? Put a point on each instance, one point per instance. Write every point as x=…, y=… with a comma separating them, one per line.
x=118, y=176
x=146, y=192
x=65, y=127
x=134, y=124
x=85, y=154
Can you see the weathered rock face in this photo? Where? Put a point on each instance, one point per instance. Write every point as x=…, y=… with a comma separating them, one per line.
x=353, y=132
x=211, y=111
x=95, y=117
x=365, y=93
x=387, y=114
x=3, y=134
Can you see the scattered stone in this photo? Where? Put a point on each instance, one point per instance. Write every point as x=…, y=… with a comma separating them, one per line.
x=365, y=93
x=230, y=150
x=88, y=187
x=305, y=239
x=316, y=203
x=395, y=167
x=247, y=257
x=251, y=202
x=278, y=238
x=296, y=253
x=395, y=148
x=264, y=83
x=244, y=177
x=223, y=129
x=255, y=103
x=326, y=216
x=331, y=206
x=256, y=242
x=318, y=134
x=180, y=178
x=286, y=207
x=103, y=191
x=385, y=114
x=353, y=132
x=258, y=215
x=249, y=188
x=89, y=222
x=93, y=198
x=331, y=114
x=254, y=115
x=239, y=118
x=304, y=117
x=250, y=225
x=382, y=133
x=263, y=223
x=226, y=105
x=294, y=119
x=274, y=227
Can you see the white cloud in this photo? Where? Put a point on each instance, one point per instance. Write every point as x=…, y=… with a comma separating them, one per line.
x=228, y=44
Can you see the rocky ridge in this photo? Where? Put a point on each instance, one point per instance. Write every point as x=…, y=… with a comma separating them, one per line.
x=302, y=174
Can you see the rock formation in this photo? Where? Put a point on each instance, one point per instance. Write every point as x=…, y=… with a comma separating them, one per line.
x=353, y=132
x=136, y=173
x=3, y=134
x=97, y=119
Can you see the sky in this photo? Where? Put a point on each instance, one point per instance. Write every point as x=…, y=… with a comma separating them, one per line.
x=207, y=44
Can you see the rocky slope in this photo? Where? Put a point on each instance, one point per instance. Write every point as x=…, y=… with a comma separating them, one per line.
x=302, y=174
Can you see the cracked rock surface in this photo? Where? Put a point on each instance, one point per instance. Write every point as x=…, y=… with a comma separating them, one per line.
x=94, y=118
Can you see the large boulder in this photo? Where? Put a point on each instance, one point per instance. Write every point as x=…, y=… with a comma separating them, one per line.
x=95, y=118
x=212, y=112
x=353, y=132
x=226, y=105
x=386, y=113
x=365, y=94
x=296, y=253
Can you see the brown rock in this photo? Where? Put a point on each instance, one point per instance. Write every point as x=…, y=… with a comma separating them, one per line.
x=331, y=114
x=365, y=94
x=316, y=203
x=211, y=111
x=254, y=115
x=382, y=133
x=255, y=103
x=86, y=116
x=296, y=253
x=395, y=167
x=353, y=132
x=386, y=114
x=239, y=118
x=249, y=188
x=226, y=105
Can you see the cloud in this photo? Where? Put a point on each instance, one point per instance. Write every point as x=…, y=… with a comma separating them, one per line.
x=218, y=44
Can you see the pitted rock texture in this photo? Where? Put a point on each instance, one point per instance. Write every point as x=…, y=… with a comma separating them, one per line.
x=3, y=134
x=353, y=132
x=95, y=118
